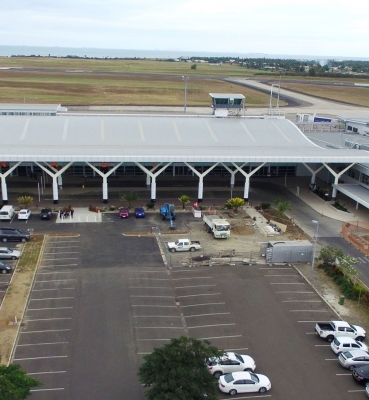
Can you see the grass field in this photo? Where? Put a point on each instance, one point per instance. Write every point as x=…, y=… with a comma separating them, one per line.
x=144, y=82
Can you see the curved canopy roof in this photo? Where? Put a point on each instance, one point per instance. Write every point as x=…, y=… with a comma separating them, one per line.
x=144, y=138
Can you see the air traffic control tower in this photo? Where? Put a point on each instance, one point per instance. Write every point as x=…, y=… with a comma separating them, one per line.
x=226, y=104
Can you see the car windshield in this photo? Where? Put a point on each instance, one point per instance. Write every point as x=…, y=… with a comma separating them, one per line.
x=220, y=228
x=336, y=342
x=254, y=377
x=228, y=378
x=347, y=354
x=239, y=358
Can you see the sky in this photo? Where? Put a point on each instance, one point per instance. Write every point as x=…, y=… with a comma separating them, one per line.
x=316, y=27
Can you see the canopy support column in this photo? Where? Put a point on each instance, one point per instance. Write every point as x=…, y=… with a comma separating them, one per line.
x=55, y=177
x=313, y=173
x=105, y=178
x=247, y=179
x=153, y=177
x=201, y=179
x=4, y=187
x=336, y=177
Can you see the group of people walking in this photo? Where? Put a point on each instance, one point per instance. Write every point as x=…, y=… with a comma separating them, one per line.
x=66, y=213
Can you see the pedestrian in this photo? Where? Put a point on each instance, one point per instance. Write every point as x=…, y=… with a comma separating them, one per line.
x=60, y=214
x=71, y=212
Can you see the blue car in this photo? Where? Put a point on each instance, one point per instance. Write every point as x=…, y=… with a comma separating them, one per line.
x=139, y=212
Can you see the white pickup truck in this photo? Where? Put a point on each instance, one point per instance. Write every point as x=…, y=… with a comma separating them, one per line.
x=184, y=245
x=333, y=329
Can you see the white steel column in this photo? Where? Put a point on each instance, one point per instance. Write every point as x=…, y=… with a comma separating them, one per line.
x=153, y=177
x=55, y=176
x=247, y=179
x=336, y=177
x=201, y=179
x=105, y=178
x=4, y=188
x=313, y=173
x=233, y=173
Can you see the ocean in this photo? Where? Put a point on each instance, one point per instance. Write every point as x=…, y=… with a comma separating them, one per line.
x=8, y=51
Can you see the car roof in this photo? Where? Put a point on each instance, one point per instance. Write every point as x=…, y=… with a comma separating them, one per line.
x=364, y=369
x=4, y=248
x=345, y=339
x=241, y=375
x=357, y=352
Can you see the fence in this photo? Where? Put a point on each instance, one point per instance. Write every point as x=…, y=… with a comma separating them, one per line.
x=357, y=233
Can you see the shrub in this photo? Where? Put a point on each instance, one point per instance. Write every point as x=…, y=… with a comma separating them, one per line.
x=265, y=206
x=150, y=206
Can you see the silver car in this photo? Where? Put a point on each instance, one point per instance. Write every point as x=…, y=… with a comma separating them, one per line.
x=353, y=358
x=367, y=389
x=11, y=254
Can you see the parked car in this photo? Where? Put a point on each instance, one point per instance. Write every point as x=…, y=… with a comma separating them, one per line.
x=14, y=235
x=361, y=374
x=139, y=212
x=332, y=329
x=243, y=382
x=123, y=212
x=24, y=213
x=229, y=362
x=5, y=268
x=353, y=358
x=344, y=343
x=45, y=213
x=11, y=254
x=367, y=389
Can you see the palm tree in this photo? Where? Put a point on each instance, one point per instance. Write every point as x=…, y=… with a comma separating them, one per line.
x=184, y=199
x=282, y=206
x=25, y=201
x=235, y=203
x=129, y=197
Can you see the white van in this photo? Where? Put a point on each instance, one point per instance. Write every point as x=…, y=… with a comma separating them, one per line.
x=7, y=212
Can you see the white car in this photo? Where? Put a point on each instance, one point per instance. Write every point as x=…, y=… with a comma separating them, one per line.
x=344, y=343
x=230, y=362
x=24, y=213
x=243, y=382
x=11, y=254
x=353, y=358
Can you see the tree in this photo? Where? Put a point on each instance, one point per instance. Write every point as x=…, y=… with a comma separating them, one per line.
x=184, y=199
x=345, y=265
x=14, y=383
x=282, y=206
x=235, y=203
x=178, y=371
x=25, y=201
x=330, y=254
x=129, y=197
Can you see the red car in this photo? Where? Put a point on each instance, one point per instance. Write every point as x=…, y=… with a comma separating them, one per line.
x=123, y=212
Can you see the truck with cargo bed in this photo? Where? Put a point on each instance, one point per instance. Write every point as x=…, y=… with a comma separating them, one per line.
x=218, y=226
x=333, y=329
x=184, y=245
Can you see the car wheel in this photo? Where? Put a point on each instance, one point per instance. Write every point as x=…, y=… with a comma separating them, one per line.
x=217, y=374
x=352, y=367
x=3, y=271
x=262, y=390
x=232, y=392
x=360, y=338
x=5, y=240
x=173, y=250
x=14, y=258
x=192, y=249
x=330, y=338
x=23, y=240
x=248, y=369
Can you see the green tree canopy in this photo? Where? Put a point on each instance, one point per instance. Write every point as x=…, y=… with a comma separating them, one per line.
x=129, y=197
x=330, y=254
x=14, y=383
x=25, y=201
x=184, y=199
x=235, y=203
x=282, y=206
x=178, y=371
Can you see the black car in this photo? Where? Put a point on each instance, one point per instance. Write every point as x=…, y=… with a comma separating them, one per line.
x=45, y=213
x=13, y=235
x=361, y=374
x=5, y=268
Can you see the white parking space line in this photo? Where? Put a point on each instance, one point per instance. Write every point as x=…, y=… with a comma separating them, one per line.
x=249, y=397
x=188, y=287
x=189, y=270
x=45, y=390
x=156, y=316
x=158, y=271
x=219, y=337
x=63, y=241
x=242, y=348
x=153, y=279
x=315, y=321
x=58, y=265
x=47, y=330
x=322, y=345
x=310, y=333
x=48, y=372
x=58, y=259
x=149, y=287
x=43, y=290
x=158, y=340
x=267, y=275
x=63, y=252
x=201, y=294
x=40, y=344
x=322, y=311
x=38, y=358
x=167, y=297
x=57, y=280
x=61, y=247
x=204, y=315
x=48, y=308
x=49, y=273
x=286, y=283
x=159, y=327
x=330, y=359
x=301, y=301
x=193, y=277
x=292, y=291
x=208, y=326
x=356, y=391
x=202, y=304
x=275, y=268
x=343, y=374
x=52, y=298
x=151, y=305
x=44, y=319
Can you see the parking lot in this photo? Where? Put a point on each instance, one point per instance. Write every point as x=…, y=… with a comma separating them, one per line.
x=102, y=300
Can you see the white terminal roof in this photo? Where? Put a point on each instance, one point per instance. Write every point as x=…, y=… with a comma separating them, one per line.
x=139, y=138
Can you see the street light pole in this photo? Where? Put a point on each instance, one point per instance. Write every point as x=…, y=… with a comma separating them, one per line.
x=314, y=249
x=185, y=79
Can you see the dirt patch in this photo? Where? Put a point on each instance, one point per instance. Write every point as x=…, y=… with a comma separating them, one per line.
x=243, y=230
